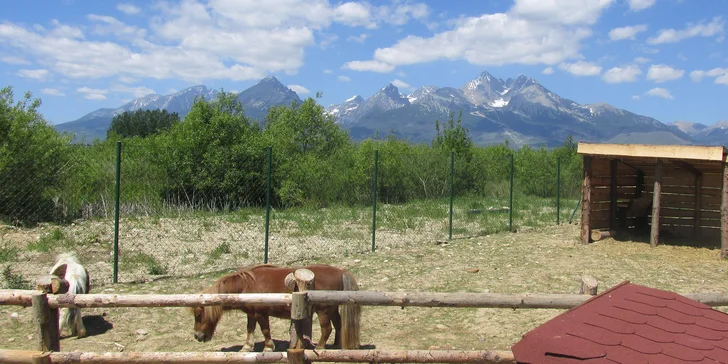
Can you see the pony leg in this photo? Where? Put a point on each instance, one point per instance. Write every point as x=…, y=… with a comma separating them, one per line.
x=325, y=322
x=249, y=343
x=336, y=320
x=265, y=328
x=80, y=329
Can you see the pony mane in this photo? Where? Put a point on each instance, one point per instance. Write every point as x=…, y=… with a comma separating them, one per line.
x=229, y=284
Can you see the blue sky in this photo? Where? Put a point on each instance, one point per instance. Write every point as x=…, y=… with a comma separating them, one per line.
x=661, y=58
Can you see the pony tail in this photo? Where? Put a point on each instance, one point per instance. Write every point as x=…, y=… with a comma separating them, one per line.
x=350, y=316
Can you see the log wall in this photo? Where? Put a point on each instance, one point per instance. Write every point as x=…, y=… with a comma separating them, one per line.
x=679, y=200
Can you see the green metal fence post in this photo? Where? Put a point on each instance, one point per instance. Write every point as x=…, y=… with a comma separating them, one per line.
x=116, y=212
x=558, y=191
x=510, y=205
x=267, y=204
x=374, y=211
x=452, y=184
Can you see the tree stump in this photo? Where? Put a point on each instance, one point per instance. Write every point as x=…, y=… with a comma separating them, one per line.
x=51, y=284
x=589, y=285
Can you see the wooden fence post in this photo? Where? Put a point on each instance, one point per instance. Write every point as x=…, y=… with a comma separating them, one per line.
x=589, y=285
x=301, y=325
x=46, y=323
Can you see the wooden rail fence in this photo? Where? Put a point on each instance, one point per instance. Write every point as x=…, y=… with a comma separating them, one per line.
x=46, y=307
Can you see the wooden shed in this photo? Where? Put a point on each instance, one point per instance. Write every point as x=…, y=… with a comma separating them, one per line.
x=678, y=190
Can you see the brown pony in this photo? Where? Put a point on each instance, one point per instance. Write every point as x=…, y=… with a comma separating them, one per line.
x=266, y=278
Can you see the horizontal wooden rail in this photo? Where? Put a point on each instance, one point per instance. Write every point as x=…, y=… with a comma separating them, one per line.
x=351, y=356
x=23, y=298
x=366, y=298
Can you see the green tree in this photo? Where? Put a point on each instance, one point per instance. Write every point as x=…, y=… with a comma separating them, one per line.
x=34, y=160
x=454, y=137
x=216, y=156
x=141, y=123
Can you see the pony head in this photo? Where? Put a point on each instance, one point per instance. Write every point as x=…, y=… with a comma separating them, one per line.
x=206, y=319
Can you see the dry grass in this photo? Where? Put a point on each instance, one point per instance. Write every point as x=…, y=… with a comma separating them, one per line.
x=544, y=260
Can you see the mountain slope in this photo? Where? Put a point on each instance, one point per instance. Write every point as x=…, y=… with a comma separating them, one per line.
x=520, y=110
x=256, y=101
x=716, y=134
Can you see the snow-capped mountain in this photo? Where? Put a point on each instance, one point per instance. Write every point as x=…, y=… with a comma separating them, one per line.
x=520, y=110
x=716, y=134
x=256, y=101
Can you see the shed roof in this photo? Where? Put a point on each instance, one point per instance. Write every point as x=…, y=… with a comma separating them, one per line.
x=680, y=152
x=630, y=323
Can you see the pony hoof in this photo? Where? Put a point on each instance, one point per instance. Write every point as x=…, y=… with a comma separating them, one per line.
x=246, y=347
x=81, y=334
x=267, y=348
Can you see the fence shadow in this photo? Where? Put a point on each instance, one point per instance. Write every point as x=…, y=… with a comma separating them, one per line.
x=282, y=345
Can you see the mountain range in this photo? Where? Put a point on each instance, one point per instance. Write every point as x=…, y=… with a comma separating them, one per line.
x=519, y=110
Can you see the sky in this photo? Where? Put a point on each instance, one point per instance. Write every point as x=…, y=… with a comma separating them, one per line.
x=666, y=59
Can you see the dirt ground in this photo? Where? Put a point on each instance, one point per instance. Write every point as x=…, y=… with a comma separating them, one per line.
x=546, y=260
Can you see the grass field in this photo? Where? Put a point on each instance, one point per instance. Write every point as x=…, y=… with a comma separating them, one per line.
x=539, y=259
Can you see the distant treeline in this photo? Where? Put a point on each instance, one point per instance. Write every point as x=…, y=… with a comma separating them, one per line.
x=217, y=159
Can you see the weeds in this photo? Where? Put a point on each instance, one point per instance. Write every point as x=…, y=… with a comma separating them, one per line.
x=14, y=280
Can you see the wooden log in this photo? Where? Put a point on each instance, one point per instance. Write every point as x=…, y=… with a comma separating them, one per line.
x=51, y=284
x=296, y=356
x=586, y=198
x=351, y=356
x=411, y=356
x=23, y=357
x=23, y=298
x=589, y=285
x=301, y=311
x=724, y=215
x=655, y=233
x=597, y=235
x=46, y=332
x=613, y=194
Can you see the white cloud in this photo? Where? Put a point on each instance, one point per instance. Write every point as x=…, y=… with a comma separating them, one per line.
x=401, y=84
x=38, y=74
x=299, y=89
x=581, y=68
x=198, y=40
x=136, y=91
x=328, y=72
x=701, y=29
x=343, y=78
x=628, y=32
x=374, y=66
x=637, y=5
x=358, y=38
x=660, y=92
x=13, y=60
x=642, y=60
x=531, y=32
x=548, y=71
x=718, y=73
x=104, y=25
x=562, y=11
x=52, y=92
x=628, y=73
x=172, y=91
x=401, y=74
x=663, y=73
x=636, y=97
x=93, y=93
x=127, y=79
x=682, y=57
x=128, y=9
x=722, y=80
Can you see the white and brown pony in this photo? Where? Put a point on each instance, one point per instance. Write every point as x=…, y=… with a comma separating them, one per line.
x=69, y=268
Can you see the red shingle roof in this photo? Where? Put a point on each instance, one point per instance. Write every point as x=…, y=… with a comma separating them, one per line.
x=632, y=324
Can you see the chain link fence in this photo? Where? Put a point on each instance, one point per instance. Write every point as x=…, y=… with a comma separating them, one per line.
x=177, y=219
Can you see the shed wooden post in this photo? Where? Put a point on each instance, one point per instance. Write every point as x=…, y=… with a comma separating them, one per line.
x=724, y=215
x=698, y=204
x=46, y=324
x=586, y=201
x=613, y=194
x=656, y=197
